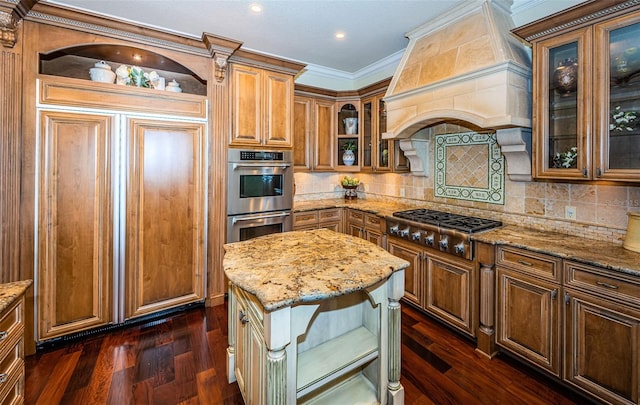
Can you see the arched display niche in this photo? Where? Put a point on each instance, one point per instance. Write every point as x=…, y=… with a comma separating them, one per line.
x=76, y=61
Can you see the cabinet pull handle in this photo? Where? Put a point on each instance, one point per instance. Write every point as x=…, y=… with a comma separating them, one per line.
x=525, y=263
x=243, y=318
x=3, y=335
x=584, y=172
x=607, y=285
x=3, y=378
x=567, y=298
x=598, y=172
x=554, y=294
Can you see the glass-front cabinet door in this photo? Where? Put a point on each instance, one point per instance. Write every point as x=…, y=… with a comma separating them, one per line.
x=562, y=91
x=376, y=152
x=617, y=78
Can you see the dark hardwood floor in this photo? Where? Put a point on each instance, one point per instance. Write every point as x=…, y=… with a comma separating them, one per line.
x=182, y=360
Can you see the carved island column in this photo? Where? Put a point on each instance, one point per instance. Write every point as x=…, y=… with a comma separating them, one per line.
x=219, y=122
x=486, y=331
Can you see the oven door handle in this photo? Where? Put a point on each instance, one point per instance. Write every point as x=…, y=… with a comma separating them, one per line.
x=254, y=217
x=283, y=166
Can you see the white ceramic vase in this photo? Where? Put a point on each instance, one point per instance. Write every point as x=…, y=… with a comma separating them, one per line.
x=348, y=158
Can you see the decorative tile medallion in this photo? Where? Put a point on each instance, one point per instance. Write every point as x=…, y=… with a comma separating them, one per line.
x=469, y=166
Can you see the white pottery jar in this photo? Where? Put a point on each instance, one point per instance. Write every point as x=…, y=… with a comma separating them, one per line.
x=348, y=157
x=350, y=126
x=101, y=72
x=173, y=86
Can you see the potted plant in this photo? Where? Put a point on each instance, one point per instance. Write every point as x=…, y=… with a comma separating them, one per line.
x=349, y=157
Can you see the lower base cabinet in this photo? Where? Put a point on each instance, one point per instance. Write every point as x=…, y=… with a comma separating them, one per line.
x=578, y=322
x=341, y=350
x=602, y=330
x=444, y=288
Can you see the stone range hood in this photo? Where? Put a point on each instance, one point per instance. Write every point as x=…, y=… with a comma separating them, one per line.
x=467, y=66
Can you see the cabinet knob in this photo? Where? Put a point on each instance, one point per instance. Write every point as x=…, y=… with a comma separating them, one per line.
x=554, y=294
x=3, y=378
x=598, y=172
x=584, y=172
x=243, y=318
x=3, y=335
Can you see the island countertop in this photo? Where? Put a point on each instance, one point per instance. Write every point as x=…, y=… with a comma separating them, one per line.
x=9, y=292
x=283, y=269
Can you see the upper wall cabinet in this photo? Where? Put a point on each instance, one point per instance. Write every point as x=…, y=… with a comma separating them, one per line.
x=262, y=107
x=586, y=93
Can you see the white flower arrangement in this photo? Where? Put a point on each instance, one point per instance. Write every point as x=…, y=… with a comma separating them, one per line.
x=566, y=159
x=622, y=120
x=135, y=76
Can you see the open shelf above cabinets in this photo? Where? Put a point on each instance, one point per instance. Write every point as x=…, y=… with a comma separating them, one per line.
x=76, y=62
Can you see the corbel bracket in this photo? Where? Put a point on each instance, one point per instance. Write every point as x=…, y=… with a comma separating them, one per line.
x=8, y=29
x=220, y=49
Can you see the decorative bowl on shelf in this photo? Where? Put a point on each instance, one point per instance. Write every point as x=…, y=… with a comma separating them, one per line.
x=350, y=184
x=101, y=72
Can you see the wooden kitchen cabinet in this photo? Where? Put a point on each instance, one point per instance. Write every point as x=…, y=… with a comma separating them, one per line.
x=12, y=369
x=529, y=307
x=446, y=289
x=366, y=226
x=414, y=274
x=329, y=218
x=75, y=267
x=121, y=197
x=451, y=292
x=602, y=333
x=262, y=107
x=586, y=82
x=314, y=129
x=377, y=154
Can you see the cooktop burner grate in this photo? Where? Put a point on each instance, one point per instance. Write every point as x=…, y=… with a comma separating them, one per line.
x=448, y=220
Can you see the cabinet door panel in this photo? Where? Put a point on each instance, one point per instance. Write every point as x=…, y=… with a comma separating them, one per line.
x=413, y=273
x=246, y=110
x=450, y=293
x=278, y=109
x=325, y=136
x=75, y=222
x=528, y=318
x=603, y=348
x=165, y=214
x=617, y=131
x=302, y=126
x=562, y=105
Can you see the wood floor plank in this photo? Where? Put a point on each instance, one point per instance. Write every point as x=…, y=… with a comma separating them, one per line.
x=58, y=381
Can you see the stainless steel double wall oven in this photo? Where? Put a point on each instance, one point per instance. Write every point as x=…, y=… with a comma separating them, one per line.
x=260, y=193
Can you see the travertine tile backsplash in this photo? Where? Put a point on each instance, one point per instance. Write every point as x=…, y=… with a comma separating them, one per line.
x=601, y=210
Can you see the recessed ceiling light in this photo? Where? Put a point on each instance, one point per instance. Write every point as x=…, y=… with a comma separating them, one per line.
x=340, y=35
x=256, y=8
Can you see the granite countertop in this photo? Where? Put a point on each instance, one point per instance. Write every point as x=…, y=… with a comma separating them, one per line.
x=283, y=269
x=9, y=292
x=380, y=208
x=588, y=251
x=583, y=250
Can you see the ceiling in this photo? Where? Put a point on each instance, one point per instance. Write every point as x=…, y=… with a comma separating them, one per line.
x=303, y=30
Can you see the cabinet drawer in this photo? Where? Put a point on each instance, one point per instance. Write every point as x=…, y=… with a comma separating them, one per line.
x=601, y=281
x=305, y=218
x=11, y=327
x=356, y=217
x=374, y=223
x=544, y=266
x=330, y=215
x=11, y=372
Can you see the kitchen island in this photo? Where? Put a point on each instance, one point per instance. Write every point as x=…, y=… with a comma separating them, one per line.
x=314, y=318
